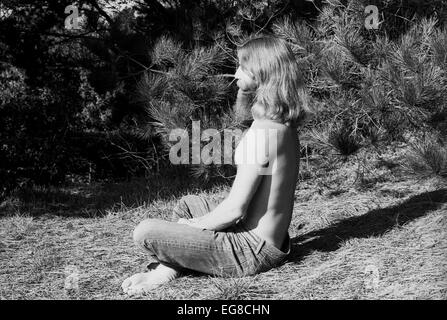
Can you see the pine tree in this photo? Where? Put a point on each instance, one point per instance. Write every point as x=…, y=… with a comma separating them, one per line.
x=183, y=86
x=367, y=85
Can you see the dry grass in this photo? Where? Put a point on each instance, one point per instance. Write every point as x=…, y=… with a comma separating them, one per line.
x=382, y=240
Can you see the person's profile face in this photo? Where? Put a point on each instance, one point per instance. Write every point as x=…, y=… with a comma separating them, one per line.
x=245, y=79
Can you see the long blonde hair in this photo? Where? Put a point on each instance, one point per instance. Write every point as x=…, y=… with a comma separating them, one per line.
x=280, y=94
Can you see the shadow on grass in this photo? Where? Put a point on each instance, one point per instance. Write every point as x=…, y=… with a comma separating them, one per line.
x=374, y=223
x=92, y=200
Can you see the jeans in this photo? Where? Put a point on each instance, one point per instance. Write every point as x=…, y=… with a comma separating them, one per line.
x=232, y=252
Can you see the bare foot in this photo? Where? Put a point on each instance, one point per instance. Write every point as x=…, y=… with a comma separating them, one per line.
x=141, y=283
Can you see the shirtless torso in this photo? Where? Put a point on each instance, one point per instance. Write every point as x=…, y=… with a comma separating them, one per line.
x=270, y=210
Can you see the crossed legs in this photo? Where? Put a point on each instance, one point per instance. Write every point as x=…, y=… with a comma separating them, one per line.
x=190, y=206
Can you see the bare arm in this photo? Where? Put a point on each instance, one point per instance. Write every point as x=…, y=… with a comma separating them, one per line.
x=223, y=216
x=235, y=206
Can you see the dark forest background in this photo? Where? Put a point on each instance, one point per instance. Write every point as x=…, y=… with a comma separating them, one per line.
x=97, y=103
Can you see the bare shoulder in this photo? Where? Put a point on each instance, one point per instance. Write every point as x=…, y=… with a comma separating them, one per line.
x=269, y=124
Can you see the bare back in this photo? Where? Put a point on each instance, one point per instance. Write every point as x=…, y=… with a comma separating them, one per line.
x=270, y=210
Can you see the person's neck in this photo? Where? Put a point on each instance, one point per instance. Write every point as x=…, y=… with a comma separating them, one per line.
x=244, y=101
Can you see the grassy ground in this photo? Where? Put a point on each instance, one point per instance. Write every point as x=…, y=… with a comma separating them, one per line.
x=358, y=232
